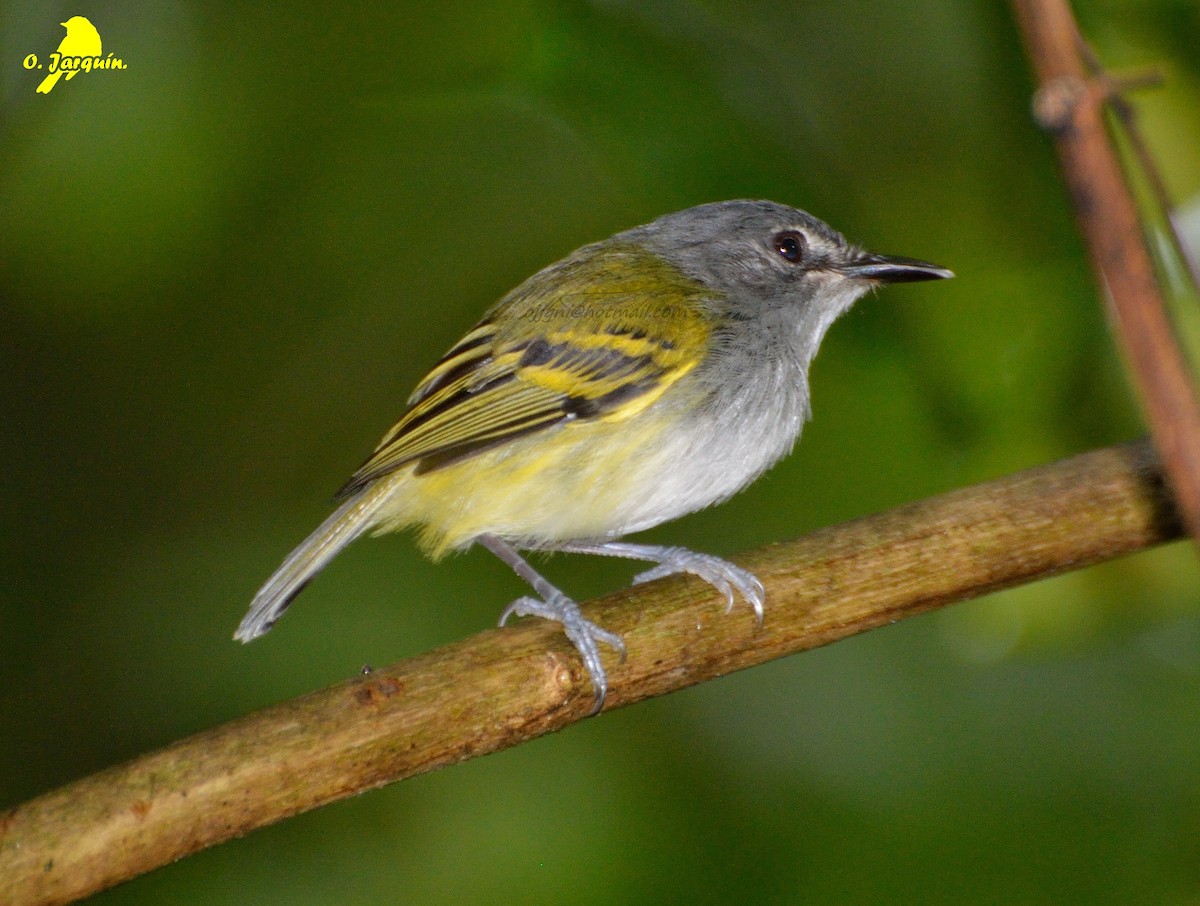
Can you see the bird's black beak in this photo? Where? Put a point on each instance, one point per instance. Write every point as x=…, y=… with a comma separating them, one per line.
x=893, y=269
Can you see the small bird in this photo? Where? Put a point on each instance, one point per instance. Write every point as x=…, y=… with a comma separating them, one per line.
x=82, y=40
x=639, y=379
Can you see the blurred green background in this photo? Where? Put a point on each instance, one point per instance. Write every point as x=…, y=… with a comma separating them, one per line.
x=223, y=269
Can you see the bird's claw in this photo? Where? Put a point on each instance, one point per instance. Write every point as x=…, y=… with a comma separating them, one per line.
x=722, y=575
x=585, y=635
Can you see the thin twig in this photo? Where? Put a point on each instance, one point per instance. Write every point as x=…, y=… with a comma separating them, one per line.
x=503, y=687
x=1070, y=104
x=1118, y=86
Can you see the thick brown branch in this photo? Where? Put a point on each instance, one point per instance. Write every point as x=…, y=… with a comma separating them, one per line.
x=1071, y=105
x=502, y=687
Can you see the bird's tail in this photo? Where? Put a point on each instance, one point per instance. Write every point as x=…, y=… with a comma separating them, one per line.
x=49, y=82
x=348, y=521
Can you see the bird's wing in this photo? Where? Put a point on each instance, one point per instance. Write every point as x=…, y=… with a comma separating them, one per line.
x=602, y=348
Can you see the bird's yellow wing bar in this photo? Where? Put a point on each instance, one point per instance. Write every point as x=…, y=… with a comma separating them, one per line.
x=586, y=340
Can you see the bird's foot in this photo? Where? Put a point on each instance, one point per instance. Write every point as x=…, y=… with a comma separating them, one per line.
x=585, y=635
x=722, y=575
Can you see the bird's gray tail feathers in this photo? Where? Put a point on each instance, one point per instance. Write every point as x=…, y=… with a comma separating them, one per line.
x=347, y=522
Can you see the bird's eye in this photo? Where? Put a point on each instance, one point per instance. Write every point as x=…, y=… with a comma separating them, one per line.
x=790, y=245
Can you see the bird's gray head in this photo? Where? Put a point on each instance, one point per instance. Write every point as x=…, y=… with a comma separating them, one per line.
x=761, y=257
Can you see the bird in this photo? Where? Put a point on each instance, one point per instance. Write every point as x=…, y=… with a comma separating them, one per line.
x=639, y=379
x=82, y=40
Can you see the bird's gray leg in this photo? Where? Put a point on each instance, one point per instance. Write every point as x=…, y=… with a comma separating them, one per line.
x=553, y=604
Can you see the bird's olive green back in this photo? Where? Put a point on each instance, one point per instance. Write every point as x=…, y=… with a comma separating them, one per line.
x=601, y=334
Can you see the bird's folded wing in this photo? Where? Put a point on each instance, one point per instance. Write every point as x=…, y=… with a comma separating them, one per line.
x=501, y=382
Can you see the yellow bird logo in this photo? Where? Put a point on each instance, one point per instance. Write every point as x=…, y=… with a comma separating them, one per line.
x=82, y=40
